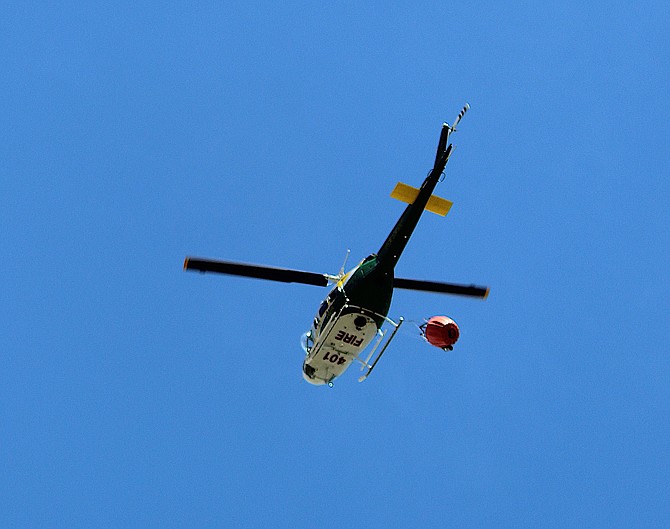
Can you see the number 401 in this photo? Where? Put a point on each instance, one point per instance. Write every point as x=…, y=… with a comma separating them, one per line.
x=334, y=358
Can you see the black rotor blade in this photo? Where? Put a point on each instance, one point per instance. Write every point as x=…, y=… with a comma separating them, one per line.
x=442, y=288
x=270, y=273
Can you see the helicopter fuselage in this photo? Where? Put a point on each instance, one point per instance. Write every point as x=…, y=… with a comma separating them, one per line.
x=347, y=321
x=365, y=293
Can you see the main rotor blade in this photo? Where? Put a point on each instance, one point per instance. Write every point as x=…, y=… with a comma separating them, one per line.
x=270, y=273
x=442, y=288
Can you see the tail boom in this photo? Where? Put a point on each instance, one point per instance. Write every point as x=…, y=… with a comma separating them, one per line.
x=395, y=243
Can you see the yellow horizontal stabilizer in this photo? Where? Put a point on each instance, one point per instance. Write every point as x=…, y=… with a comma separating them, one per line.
x=408, y=194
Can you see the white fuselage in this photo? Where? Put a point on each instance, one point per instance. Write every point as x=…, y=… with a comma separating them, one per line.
x=335, y=342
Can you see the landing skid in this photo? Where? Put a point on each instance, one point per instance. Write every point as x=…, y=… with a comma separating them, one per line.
x=386, y=339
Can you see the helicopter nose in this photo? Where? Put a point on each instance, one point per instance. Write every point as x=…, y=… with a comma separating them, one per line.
x=309, y=374
x=309, y=371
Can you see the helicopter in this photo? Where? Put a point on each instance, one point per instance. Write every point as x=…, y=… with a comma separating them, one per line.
x=355, y=311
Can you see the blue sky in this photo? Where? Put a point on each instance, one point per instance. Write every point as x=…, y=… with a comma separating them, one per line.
x=133, y=394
